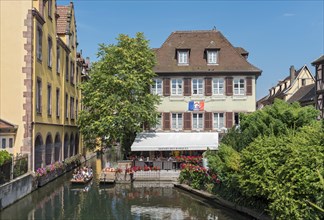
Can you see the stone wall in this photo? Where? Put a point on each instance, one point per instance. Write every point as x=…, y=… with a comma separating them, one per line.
x=15, y=190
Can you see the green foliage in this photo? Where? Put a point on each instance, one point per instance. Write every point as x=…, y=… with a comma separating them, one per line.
x=282, y=170
x=116, y=98
x=276, y=119
x=4, y=157
x=225, y=162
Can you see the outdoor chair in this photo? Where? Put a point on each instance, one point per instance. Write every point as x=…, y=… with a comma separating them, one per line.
x=167, y=165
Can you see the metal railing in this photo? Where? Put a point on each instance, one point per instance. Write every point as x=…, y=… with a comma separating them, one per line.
x=12, y=169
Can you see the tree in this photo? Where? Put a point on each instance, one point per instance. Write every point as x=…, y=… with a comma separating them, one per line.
x=276, y=119
x=116, y=98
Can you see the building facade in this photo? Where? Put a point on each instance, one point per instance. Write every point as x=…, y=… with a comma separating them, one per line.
x=204, y=82
x=40, y=71
x=299, y=86
x=319, y=84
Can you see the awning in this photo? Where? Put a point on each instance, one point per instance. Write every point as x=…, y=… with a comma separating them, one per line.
x=170, y=141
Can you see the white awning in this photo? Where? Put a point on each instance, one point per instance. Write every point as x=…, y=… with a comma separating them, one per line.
x=170, y=141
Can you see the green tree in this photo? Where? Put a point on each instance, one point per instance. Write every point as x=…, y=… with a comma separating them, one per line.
x=283, y=170
x=116, y=98
x=276, y=119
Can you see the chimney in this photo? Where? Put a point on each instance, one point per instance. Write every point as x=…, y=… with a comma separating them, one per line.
x=292, y=74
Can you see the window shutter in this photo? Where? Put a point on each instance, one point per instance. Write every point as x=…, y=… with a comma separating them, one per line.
x=208, y=121
x=166, y=87
x=187, y=121
x=166, y=121
x=229, y=86
x=187, y=87
x=208, y=86
x=248, y=85
x=229, y=119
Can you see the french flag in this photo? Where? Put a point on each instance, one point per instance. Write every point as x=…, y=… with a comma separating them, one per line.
x=196, y=106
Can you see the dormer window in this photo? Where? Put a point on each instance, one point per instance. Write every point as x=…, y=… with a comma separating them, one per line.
x=183, y=57
x=212, y=57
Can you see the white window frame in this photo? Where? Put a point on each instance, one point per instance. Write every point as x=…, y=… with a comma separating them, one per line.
x=176, y=121
x=212, y=57
x=183, y=57
x=177, y=87
x=218, y=86
x=197, y=86
x=239, y=86
x=218, y=120
x=156, y=88
x=197, y=121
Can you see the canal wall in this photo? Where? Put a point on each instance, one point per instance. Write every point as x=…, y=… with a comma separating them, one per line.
x=223, y=202
x=15, y=190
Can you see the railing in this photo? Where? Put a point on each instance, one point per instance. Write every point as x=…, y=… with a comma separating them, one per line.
x=14, y=168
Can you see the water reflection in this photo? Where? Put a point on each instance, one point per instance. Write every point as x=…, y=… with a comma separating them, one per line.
x=140, y=200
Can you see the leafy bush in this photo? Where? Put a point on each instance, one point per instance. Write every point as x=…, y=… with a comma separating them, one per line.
x=4, y=157
x=282, y=170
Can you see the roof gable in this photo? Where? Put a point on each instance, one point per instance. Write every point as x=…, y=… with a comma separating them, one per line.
x=229, y=59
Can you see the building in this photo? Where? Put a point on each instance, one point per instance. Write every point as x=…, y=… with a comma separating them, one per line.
x=299, y=86
x=7, y=135
x=40, y=71
x=204, y=83
x=319, y=84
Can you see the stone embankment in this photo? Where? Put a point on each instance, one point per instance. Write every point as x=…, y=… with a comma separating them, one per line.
x=223, y=202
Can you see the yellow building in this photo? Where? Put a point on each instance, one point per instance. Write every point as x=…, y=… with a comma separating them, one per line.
x=40, y=70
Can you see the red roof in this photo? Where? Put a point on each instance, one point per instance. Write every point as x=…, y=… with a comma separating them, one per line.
x=230, y=58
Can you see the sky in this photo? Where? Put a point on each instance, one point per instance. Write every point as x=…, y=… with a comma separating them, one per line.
x=277, y=33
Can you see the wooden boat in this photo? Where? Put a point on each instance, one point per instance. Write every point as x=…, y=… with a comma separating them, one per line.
x=81, y=181
x=108, y=175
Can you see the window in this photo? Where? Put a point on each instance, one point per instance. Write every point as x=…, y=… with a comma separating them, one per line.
x=58, y=60
x=71, y=107
x=76, y=109
x=158, y=125
x=176, y=87
x=50, y=9
x=212, y=57
x=218, y=122
x=58, y=102
x=3, y=143
x=197, y=86
x=303, y=82
x=218, y=86
x=176, y=121
x=49, y=55
x=236, y=118
x=197, y=121
x=322, y=72
x=49, y=99
x=239, y=87
x=156, y=88
x=66, y=106
x=67, y=68
x=72, y=39
x=10, y=142
x=39, y=43
x=72, y=72
x=39, y=96
x=183, y=57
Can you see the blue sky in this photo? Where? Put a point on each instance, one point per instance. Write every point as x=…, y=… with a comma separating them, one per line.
x=276, y=33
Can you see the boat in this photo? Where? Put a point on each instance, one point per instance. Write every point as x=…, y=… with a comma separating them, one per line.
x=82, y=176
x=108, y=175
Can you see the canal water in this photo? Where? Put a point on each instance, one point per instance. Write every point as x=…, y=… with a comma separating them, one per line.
x=139, y=200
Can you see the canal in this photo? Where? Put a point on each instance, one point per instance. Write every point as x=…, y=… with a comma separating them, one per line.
x=139, y=200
